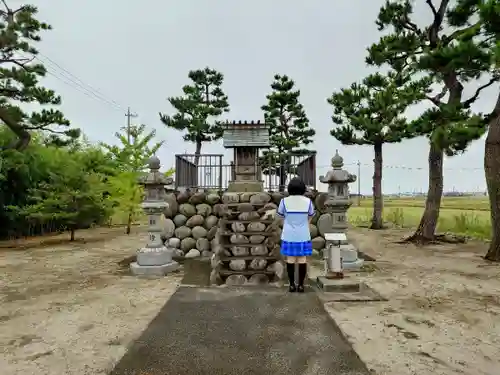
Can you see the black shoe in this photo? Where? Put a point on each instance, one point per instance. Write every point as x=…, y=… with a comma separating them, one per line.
x=300, y=289
x=292, y=288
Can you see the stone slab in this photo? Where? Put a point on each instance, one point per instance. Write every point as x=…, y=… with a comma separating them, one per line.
x=241, y=331
x=162, y=270
x=146, y=257
x=345, y=290
x=341, y=285
x=245, y=187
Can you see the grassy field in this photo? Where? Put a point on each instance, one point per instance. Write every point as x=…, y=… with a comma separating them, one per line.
x=461, y=215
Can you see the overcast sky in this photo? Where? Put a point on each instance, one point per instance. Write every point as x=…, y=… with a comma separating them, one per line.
x=138, y=53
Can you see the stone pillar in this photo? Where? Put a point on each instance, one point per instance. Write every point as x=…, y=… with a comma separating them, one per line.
x=154, y=259
x=336, y=206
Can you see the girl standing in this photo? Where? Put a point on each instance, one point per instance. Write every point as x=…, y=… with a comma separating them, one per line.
x=297, y=211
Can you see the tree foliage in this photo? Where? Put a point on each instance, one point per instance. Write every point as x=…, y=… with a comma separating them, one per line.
x=198, y=109
x=20, y=75
x=372, y=113
x=448, y=59
x=131, y=156
x=290, y=129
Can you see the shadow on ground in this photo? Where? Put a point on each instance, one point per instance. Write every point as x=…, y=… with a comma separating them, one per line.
x=241, y=331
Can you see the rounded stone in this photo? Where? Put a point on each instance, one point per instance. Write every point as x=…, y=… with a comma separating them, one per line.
x=187, y=209
x=180, y=220
x=236, y=280
x=167, y=229
x=199, y=232
x=212, y=233
x=277, y=197
x=256, y=227
x=211, y=222
x=182, y=232
x=207, y=254
x=193, y=253
x=212, y=198
x=203, y=209
x=187, y=244
x=238, y=227
x=260, y=198
x=258, y=279
x=250, y=216
x=258, y=250
x=256, y=239
x=245, y=207
x=194, y=221
x=183, y=197
x=324, y=224
x=238, y=265
x=174, y=242
x=240, y=251
x=313, y=230
x=319, y=202
x=258, y=264
x=173, y=206
x=197, y=198
x=238, y=239
x=203, y=244
x=318, y=243
x=218, y=209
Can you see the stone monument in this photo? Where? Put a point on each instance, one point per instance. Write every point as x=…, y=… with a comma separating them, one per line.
x=247, y=248
x=336, y=205
x=154, y=259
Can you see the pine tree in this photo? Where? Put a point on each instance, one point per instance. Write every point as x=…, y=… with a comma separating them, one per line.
x=490, y=18
x=131, y=156
x=289, y=126
x=69, y=196
x=20, y=73
x=198, y=109
x=450, y=59
x=371, y=113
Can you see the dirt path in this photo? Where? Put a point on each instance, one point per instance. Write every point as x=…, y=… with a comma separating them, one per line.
x=443, y=313
x=68, y=309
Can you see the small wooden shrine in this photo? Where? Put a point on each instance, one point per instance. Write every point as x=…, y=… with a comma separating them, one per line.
x=246, y=138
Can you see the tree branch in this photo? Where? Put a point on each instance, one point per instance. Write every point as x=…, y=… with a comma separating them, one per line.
x=473, y=98
x=436, y=99
x=433, y=8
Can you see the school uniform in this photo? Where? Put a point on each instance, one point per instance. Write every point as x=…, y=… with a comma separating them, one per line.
x=296, y=237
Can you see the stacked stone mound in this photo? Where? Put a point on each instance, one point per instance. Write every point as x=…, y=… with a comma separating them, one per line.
x=247, y=248
x=192, y=219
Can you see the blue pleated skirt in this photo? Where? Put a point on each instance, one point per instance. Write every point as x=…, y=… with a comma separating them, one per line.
x=296, y=249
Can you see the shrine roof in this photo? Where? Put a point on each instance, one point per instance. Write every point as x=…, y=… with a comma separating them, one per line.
x=246, y=134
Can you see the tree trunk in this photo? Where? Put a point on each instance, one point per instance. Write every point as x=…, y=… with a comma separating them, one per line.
x=426, y=230
x=492, y=174
x=378, y=200
x=72, y=234
x=129, y=224
x=197, y=153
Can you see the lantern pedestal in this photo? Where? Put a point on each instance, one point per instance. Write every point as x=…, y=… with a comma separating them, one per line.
x=154, y=259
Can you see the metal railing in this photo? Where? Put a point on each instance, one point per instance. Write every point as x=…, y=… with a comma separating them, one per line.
x=208, y=172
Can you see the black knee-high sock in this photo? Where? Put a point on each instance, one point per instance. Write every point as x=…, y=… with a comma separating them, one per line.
x=302, y=273
x=290, y=270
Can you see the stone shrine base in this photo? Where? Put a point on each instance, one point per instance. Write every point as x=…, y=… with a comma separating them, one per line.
x=151, y=270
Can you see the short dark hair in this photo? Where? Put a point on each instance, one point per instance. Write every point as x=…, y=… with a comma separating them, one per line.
x=296, y=186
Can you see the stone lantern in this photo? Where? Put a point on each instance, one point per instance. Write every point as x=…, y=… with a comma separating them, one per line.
x=154, y=259
x=336, y=206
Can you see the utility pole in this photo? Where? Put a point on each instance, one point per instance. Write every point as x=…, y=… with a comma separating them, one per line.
x=129, y=115
x=359, y=183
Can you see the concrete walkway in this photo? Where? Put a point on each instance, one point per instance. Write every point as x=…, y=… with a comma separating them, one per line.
x=241, y=331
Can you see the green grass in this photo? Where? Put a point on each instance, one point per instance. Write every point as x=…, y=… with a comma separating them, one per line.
x=468, y=216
